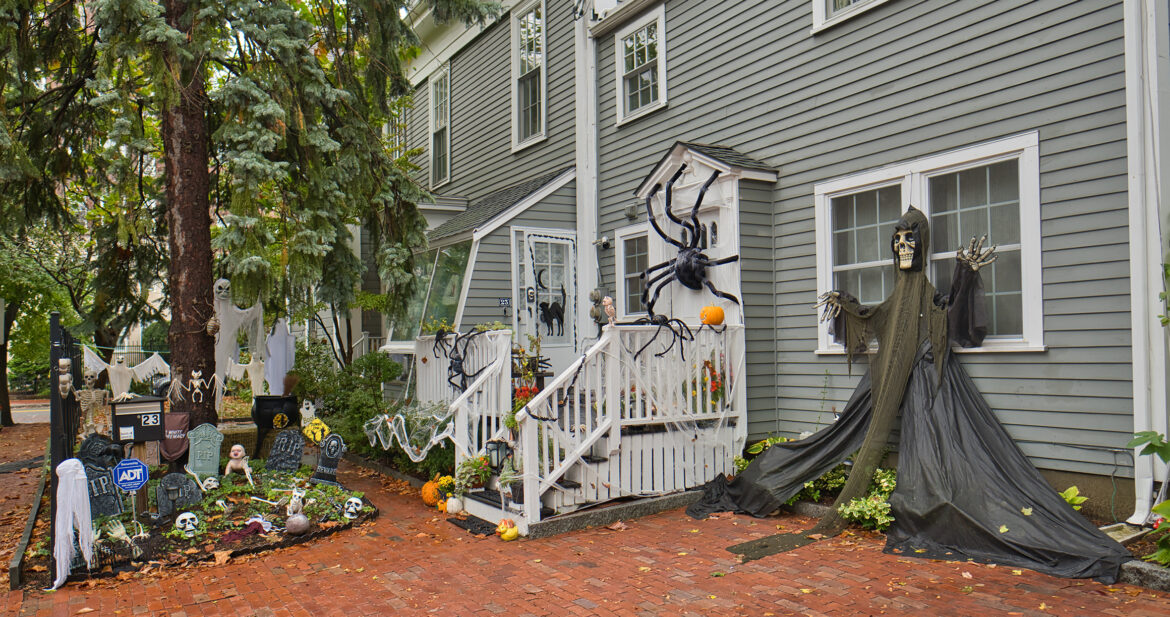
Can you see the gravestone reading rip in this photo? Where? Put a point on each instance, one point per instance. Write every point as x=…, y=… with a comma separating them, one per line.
x=286, y=451
x=332, y=450
x=186, y=493
x=205, y=442
x=105, y=499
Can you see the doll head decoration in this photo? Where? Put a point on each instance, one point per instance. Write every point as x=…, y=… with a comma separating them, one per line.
x=238, y=463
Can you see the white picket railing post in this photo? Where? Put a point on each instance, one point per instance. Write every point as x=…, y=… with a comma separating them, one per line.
x=614, y=388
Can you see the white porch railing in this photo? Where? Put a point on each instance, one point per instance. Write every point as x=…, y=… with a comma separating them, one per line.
x=479, y=410
x=639, y=425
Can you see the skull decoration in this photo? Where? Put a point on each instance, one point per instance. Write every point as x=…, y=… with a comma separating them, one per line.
x=353, y=506
x=904, y=245
x=90, y=379
x=65, y=379
x=223, y=289
x=210, y=483
x=187, y=521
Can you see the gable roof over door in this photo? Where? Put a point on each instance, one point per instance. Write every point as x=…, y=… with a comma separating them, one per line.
x=501, y=206
x=727, y=160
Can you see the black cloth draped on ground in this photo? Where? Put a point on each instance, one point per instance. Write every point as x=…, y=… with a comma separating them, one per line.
x=965, y=491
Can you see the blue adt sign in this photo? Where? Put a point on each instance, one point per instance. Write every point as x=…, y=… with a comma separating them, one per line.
x=131, y=474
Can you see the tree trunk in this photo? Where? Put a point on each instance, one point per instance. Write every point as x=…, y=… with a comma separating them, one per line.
x=185, y=139
x=6, y=320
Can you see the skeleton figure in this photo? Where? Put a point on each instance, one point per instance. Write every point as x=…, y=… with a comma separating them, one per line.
x=238, y=463
x=196, y=387
x=690, y=267
x=94, y=403
x=65, y=377
x=964, y=490
x=210, y=483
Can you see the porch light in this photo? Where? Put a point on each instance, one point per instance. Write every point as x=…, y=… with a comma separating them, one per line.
x=498, y=451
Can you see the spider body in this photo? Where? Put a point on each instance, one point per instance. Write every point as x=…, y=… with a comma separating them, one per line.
x=689, y=268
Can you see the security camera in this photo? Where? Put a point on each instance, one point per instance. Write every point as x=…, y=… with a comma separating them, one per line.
x=603, y=242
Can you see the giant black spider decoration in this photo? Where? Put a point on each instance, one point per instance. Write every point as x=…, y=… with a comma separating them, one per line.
x=690, y=267
x=457, y=355
x=679, y=331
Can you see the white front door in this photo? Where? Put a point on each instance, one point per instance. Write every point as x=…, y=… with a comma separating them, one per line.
x=546, y=292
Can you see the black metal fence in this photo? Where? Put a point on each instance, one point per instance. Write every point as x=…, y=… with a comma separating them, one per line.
x=64, y=411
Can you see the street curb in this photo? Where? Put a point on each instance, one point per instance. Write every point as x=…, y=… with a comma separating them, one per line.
x=17, y=564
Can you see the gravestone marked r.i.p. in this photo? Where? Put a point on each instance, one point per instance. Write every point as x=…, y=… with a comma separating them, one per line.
x=287, y=448
x=332, y=449
x=205, y=442
x=104, y=497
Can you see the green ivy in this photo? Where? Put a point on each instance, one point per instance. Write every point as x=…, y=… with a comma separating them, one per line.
x=873, y=510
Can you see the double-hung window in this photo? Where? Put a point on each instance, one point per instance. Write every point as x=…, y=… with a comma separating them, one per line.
x=633, y=257
x=528, y=74
x=991, y=189
x=440, y=120
x=640, y=54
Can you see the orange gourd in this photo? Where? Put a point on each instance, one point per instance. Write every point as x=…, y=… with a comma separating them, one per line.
x=430, y=492
x=711, y=315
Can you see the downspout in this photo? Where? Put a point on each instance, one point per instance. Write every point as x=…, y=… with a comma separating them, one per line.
x=585, y=110
x=1145, y=58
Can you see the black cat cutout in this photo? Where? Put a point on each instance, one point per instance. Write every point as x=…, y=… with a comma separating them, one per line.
x=554, y=313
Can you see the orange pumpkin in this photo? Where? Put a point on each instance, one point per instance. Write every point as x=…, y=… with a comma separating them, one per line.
x=711, y=315
x=442, y=505
x=430, y=492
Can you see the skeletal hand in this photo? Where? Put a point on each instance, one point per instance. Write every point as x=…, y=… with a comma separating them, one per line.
x=974, y=255
x=831, y=300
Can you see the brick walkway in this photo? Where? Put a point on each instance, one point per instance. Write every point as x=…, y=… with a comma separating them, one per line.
x=410, y=562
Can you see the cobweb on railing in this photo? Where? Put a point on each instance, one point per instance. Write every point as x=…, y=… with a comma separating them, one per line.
x=684, y=387
x=417, y=427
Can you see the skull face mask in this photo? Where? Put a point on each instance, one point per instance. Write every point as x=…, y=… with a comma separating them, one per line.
x=907, y=245
x=223, y=289
x=353, y=506
x=187, y=522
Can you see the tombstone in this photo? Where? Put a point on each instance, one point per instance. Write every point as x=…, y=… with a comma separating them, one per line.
x=205, y=442
x=186, y=493
x=332, y=450
x=286, y=451
x=99, y=451
x=105, y=499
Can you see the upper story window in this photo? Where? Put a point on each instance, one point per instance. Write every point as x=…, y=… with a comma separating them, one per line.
x=440, y=120
x=640, y=53
x=633, y=257
x=396, y=126
x=991, y=189
x=829, y=12
x=528, y=74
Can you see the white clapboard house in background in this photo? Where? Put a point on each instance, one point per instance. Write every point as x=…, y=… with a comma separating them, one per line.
x=543, y=133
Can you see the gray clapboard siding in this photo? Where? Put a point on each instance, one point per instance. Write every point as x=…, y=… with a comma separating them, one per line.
x=492, y=276
x=482, y=160
x=906, y=80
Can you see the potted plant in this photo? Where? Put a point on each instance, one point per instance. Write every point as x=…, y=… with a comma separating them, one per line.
x=472, y=473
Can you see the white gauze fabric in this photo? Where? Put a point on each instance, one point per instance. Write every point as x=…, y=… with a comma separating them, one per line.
x=72, y=510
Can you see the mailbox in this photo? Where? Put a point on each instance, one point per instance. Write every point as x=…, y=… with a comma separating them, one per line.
x=138, y=419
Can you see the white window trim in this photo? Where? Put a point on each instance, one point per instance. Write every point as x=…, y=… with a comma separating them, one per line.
x=620, y=236
x=821, y=19
x=444, y=70
x=912, y=177
x=657, y=14
x=542, y=134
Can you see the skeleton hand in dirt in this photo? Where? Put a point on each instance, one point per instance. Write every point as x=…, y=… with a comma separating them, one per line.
x=974, y=255
x=831, y=300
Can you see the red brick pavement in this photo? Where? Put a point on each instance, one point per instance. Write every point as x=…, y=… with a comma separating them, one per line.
x=410, y=562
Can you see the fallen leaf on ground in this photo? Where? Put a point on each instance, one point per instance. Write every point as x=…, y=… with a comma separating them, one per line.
x=617, y=526
x=806, y=590
x=816, y=536
x=222, y=557
x=84, y=610
x=1026, y=511
x=966, y=575
x=644, y=569
x=1017, y=572
x=1003, y=529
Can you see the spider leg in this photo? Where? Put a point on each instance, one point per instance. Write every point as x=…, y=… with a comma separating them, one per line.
x=721, y=294
x=652, y=339
x=695, y=210
x=650, y=283
x=669, y=191
x=725, y=260
x=659, y=267
x=657, y=290
x=654, y=221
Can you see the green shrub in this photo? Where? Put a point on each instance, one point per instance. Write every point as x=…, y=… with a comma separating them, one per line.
x=873, y=510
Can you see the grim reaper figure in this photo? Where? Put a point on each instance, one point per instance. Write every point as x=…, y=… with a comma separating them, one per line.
x=964, y=490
